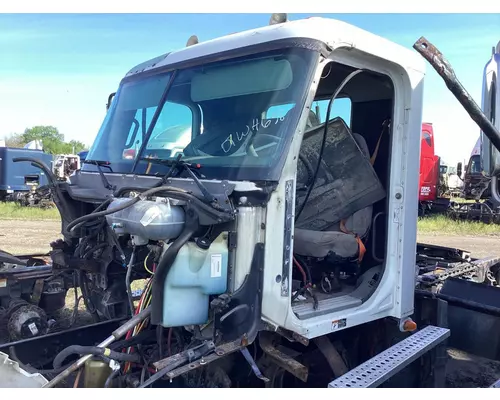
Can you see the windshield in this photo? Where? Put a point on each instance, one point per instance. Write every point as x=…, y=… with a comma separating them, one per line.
x=215, y=115
x=475, y=165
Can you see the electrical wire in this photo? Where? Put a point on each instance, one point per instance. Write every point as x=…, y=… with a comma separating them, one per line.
x=146, y=265
x=77, y=380
x=299, y=267
x=127, y=282
x=144, y=301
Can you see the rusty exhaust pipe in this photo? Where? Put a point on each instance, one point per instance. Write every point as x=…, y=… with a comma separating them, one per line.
x=444, y=69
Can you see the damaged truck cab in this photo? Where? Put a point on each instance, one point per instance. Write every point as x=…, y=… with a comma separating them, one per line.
x=294, y=196
x=265, y=183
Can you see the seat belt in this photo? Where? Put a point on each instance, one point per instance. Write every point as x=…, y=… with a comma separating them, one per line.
x=385, y=125
x=361, y=245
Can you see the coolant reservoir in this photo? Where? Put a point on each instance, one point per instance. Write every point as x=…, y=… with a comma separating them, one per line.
x=148, y=219
x=195, y=274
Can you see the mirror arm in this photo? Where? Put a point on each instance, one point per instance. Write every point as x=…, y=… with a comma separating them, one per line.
x=444, y=69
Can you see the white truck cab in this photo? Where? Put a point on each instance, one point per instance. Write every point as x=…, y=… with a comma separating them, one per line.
x=289, y=206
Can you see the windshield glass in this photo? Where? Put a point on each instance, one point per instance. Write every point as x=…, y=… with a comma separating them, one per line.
x=475, y=165
x=214, y=115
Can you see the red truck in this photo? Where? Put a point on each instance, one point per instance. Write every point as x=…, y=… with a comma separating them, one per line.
x=429, y=166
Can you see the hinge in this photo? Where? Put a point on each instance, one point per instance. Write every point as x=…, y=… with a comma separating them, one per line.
x=232, y=240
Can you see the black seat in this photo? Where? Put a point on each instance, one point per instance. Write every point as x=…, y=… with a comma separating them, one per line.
x=341, y=203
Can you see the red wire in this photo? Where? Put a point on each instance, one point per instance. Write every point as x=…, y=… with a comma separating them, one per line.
x=301, y=270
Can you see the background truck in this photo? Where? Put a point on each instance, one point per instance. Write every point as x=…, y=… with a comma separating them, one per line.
x=20, y=178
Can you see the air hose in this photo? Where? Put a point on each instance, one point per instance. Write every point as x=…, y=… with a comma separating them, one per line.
x=95, y=351
x=63, y=207
x=164, y=265
x=72, y=225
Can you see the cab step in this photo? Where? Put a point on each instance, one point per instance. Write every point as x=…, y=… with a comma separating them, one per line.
x=383, y=366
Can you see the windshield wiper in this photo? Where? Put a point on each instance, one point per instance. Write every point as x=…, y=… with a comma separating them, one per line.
x=100, y=164
x=180, y=165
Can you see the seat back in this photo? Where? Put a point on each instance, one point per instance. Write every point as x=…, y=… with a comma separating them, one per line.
x=346, y=186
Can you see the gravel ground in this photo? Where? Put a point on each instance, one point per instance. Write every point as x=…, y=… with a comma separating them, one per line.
x=34, y=236
x=463, y=370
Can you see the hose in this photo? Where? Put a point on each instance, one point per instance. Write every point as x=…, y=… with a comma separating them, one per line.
x=134, y=340
x=309, y=168
x=95, y=351
x=112, y=376
x=164, y=265
x=72, y=225
x=29, y=368
x=82, y=282
x=63, y=207
x=99, y=228
x=177, y=194
x=94, y=249
x=116, y=334
x=39, y=164
x=69, y=228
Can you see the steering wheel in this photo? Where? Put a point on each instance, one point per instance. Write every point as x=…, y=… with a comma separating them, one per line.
x=262, y=140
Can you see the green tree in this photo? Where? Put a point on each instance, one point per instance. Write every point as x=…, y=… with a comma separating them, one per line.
x=75, y=146
x=52, y=140
x=14, y=140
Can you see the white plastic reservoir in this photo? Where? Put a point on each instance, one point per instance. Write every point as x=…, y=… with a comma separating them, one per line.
x=195, y=274
x=147, y=219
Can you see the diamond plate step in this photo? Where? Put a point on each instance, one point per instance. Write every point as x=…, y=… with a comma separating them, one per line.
x=380, y=368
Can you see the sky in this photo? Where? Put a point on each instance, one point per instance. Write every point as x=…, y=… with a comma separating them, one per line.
x=58, y=69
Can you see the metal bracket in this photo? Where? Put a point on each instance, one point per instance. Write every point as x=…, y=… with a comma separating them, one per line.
x=244, y=351
x=219, y=352
x=287, y=239
x=37, y=291
x=281, y=359
x=383, y=366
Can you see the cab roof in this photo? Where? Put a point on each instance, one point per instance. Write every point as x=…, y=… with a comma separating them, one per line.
x=330, y=32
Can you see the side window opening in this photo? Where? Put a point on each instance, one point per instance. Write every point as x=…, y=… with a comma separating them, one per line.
x=341, y=107
x=341, y=165
x=278, y=111
x=427, y=138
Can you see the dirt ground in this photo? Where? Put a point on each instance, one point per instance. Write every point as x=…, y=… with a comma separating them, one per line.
x=34, y=236
x=463, y=370
x=479, y=246
x=23, y=237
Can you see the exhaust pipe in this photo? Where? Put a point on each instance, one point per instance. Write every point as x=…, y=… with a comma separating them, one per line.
x=278, y=19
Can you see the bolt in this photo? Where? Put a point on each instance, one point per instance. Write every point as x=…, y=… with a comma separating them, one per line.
x=398, y=196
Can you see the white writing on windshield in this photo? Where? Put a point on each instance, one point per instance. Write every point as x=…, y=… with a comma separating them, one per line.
x=239, y=136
